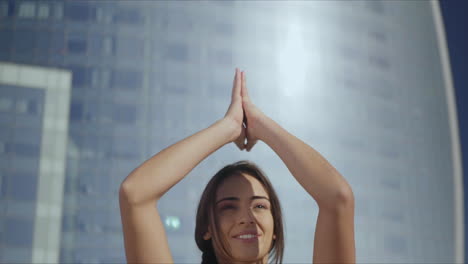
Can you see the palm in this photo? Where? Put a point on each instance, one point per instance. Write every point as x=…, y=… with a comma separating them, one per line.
x=235, y=112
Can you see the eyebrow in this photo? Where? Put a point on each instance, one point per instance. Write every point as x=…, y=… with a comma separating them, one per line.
x=237, y=198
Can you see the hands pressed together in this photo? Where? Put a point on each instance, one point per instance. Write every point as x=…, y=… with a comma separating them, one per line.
x=244, y=114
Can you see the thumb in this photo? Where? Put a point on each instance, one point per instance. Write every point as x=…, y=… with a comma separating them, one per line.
x=250, y=144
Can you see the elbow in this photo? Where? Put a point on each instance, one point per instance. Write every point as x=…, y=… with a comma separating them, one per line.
x=136, y=195
x=345, y=196
x=125, y=194
x=342, y=198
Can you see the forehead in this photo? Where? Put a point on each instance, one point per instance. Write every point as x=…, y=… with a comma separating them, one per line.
x=241, y=186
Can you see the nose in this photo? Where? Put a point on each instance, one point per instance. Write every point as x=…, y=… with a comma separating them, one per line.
x=246, y=217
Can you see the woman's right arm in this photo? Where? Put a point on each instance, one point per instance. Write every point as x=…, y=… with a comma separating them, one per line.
x=144, y=236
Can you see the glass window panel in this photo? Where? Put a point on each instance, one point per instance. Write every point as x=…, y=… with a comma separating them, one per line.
x=76, y=111
x=26, y=163
x=82, y=11
x=15, y=254
x=95, y=44
x=26, y=135
x=5, y=45
x=22, y=186
x=128, y=16
x=6, y=104
x=43, y=11
x=24, y=149
x=124, y=113
x=58, y=10
x=27, y=10
x=18, y=232
x=376, y=6
x=108, y=45
x=126, y=79
x=57, y=42
x=177, y=52
x=42, y=41
x=77, y=46
x=21, y=106
x=12, y=6
x=91, y=111
x=3, y=9
x=23, y=41
x=80, y=76
x=34, y=108
x=105, y=77
x=130, y=47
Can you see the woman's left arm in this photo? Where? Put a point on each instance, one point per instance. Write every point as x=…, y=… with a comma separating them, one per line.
x=334, y=231
x=315, y=174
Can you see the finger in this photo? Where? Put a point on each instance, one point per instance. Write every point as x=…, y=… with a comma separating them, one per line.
x=244, y=121
x=250, y=144
x=236, y=87
x=244, y=92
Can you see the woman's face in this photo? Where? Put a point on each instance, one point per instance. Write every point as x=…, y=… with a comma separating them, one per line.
x=245, y=218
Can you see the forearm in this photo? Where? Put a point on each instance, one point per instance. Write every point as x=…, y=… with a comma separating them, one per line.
x=315, y=174
x=157, y=175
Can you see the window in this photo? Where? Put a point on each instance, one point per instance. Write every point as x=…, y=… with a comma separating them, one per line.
x=76, y=111
x=43, y=11
x=3, y=9
x=82, y=11
x=22, y=186
x=58, y=10
x=126, y=79
x=21, y=106
x=77, y=46
x=6, y=37
x=27, y=10
x=124, y=114
x=42, y=41
x=23, y=41
x=177, y=52
x=108, y=45
x=80, y=76
x=128, y=16
x=27, y=150
x=375, y=6
x=129, y=47
x=6, y=104
x=18, y=232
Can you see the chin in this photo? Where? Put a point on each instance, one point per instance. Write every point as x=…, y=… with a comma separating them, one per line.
x=245, y=257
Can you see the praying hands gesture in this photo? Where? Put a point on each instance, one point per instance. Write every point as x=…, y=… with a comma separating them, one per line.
x=244, y=114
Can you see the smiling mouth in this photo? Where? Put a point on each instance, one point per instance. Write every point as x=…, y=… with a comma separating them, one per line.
x=247, y=238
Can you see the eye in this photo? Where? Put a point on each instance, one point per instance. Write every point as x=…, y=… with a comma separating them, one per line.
x=227, y=207
x=261, y=206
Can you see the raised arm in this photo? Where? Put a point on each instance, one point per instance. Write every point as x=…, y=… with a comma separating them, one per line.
x=334, y=236
x=144, y=236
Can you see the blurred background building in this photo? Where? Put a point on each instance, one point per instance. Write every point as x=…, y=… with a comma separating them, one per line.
x=91, y=89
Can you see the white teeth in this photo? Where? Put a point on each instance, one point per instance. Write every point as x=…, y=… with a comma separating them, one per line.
x=246, y=236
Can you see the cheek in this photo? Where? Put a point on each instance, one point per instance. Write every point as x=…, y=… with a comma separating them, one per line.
x=266, y=220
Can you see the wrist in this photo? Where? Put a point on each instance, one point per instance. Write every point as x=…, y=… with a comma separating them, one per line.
x=231, y=127
x=266, y=129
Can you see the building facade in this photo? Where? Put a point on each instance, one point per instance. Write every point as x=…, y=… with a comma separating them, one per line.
x=362, y=82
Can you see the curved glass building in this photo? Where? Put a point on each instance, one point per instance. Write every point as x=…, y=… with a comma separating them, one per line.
x=91, y=89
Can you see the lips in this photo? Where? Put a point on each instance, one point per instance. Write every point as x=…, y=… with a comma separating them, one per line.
x=247, y=236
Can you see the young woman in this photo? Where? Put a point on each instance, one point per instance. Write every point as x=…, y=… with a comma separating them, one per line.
x=239, y=216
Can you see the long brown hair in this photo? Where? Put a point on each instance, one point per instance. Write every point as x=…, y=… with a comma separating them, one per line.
x=206, y=219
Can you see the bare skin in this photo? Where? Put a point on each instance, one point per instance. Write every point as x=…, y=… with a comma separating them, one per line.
x=144, y=186
x=242, y=204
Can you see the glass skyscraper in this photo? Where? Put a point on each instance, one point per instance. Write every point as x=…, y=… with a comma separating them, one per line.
x=91, y=89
